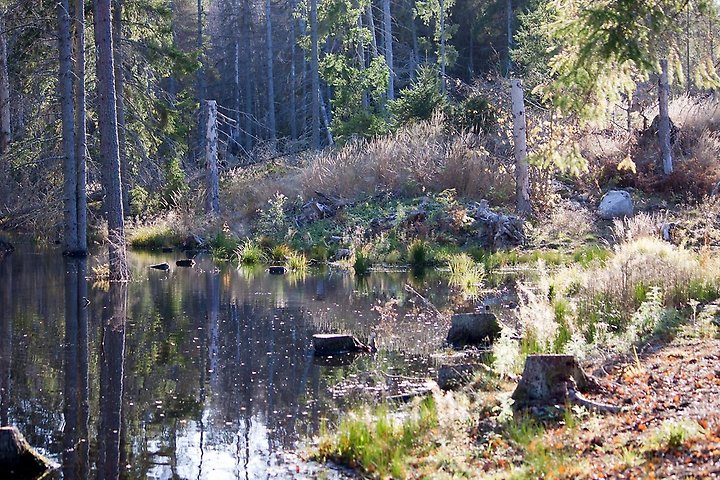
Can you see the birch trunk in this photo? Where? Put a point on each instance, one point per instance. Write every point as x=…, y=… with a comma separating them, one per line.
x=120, y=99
x=80, y=128
x=109, y=149
x=315, y=88
x=4, y=88
x=387, y=18
x=664, y=127
x=211, y=157
x=270, y=79
x=65, y=86
x=522, y=179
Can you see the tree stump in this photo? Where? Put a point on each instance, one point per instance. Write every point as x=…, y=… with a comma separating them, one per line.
x=473, y=329
x=188, y=263
x=277, y=270
x=160, y=266
x=554, y=379
x=18, y=459
x=335, y=344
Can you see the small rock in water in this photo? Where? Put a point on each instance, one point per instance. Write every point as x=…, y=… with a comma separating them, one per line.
x=167, y=249
x=160, y=266
x=185, y=262
x=277, y=270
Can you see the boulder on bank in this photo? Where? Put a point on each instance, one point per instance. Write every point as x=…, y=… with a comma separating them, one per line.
x=473, y=329
x=616, y=204
x=18, y=459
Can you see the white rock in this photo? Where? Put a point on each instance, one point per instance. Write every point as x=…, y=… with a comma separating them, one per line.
x=616, y=204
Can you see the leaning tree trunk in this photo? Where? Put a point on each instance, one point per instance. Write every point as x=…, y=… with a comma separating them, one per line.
x=80, y=128
x=522, y=179
x=109, y=149
x=4, y=88
x=120, y=100
x=664, y=126
x=70, y=242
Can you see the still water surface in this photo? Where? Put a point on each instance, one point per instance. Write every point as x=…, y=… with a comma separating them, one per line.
x=202, y=373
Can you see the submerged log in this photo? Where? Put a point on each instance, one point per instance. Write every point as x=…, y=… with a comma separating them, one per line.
x=335, y=344
x=160, y=266
x=18, y=459
x=554, y=379
x=189, y=262
x=473, y=329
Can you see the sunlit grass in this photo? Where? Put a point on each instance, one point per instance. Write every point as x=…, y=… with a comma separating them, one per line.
x=250, y=253
x=153, y=237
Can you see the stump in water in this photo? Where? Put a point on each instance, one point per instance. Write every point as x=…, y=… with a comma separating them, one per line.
x=553, y=379
x=160, y=266
x=334, y=344
x=473, y=329
x=277, y=270
x=17, y=457
x=185, y=263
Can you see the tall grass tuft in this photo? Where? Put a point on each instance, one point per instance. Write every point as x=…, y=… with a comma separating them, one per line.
x=465, y=273
x=418, y=255
x=296, y=262
x=378, y=443
x=250, y=253
x=153, y=237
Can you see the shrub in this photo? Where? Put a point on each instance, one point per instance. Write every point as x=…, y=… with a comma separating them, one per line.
x=418, y=254
x=362, y=263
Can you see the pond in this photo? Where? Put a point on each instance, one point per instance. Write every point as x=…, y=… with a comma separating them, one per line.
x=203, y=372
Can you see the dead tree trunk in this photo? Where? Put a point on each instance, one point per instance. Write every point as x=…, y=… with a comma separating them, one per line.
x=120, y=104
x=211, y=159
x=664, y=126
x=522, y=178
x=270, y=78
x=4, y=88
x=80, y=128
x=387, y=30
x=315, y=72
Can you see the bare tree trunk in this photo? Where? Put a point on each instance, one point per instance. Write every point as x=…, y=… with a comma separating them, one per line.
x=520, y=138
x=80, y=128
x=109, y=149
x=370, y=20
x=688, y=80
x=664, y=126
x=211, y=157
x=508, y=21
x=120, y=99
x=326, y=119
x=387, y=18
x=293, y=75
x=415, y=57
x=247, y=64
x=4, y=88
x=442, y=46
x=270, y=79
x=315, y=88
x=65, y=86
x=201, y=81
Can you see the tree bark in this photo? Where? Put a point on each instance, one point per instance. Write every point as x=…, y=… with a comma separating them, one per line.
x=80, y=127
x=508, y=21
x=293, y=74
x=387, y=18
x=120, y=100
x=522, y=179
x=270, y=78
x=211, y=157
x=371, y=25
x=4, y=88
x=315, y=88
x=664, y=126
x=247, y=80
x=442, y=46
x=201, y=80
x=65, y=86
x=109, y=149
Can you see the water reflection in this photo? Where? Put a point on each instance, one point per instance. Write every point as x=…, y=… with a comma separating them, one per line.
x=75, y=458
x=200, y=373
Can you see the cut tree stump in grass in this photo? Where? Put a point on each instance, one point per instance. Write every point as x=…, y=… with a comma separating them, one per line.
x=18, y=459
x=554, y=379
x=335, y=344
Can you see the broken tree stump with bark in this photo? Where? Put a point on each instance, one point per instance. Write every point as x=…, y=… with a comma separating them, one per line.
x=554, y=379
x=18, y=459
x=335, y=344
